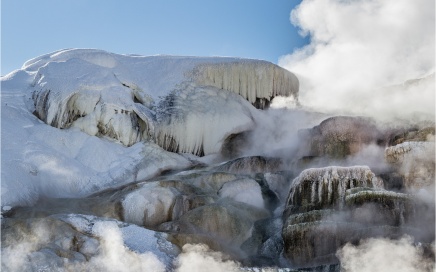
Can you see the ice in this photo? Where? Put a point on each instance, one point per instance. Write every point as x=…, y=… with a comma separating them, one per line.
x=199, y=120
x=250, y=79
x=327, y=186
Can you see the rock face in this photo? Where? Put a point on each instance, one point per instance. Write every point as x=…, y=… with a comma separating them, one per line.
x=329, y=207
x=339, y=136
x=228, y=222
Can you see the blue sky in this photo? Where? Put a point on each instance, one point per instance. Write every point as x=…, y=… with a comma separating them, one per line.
x=241, y=28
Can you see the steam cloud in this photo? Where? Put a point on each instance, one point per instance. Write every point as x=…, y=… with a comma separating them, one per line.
x=110, y=255
x=360, y=47
x=199, y=258
x=384, y=255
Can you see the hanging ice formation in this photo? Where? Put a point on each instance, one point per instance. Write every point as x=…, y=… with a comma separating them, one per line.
x=256, y=81
x=185, y=104
x=320, y=188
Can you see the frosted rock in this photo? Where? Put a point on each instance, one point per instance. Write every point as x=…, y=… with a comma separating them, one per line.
x=339, y=136
x=394, y=209
x=212, y=181
x=149, y=205
x=328, y=207
x=412, y=135
x=415, y=161
x=398, y=152
x=198, y=120
x=79, y=94
x=321, y=188
x=315, y=243
x=226, y=221
x=312, y=238
x=243, y=190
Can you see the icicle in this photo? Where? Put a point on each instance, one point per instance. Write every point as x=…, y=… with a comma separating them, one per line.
x=251, y=79
x=330, y=184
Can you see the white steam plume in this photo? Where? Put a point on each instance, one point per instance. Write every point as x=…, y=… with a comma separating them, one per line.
x=199, y=258
x=115, y=256
x=357, y=48
x=384, y=255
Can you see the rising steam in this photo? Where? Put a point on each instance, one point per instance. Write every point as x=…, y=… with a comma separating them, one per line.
x=379, y=255
x=358, y=48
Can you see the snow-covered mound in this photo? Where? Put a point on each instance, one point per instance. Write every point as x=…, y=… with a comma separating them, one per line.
x=90, y=101
x=189, y=104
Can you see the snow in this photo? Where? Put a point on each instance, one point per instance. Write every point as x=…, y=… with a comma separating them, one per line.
x=149, y=205
x=244, y=190
x=103, y=117
x=38, y=159
x=117, y=96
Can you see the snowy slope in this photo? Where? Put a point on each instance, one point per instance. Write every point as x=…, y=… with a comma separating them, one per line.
x=78, y=121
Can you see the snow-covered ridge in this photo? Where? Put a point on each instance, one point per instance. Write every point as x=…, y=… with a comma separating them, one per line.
x=134, y=98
